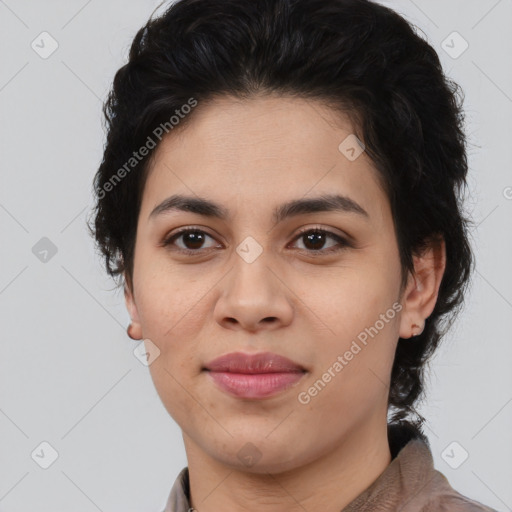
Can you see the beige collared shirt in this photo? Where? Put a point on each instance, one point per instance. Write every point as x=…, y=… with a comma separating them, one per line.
x=409, y=484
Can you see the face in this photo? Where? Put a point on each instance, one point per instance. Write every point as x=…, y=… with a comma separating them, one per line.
x=319, y=286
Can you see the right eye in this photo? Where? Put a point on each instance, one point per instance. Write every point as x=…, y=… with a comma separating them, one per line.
x=191, y=241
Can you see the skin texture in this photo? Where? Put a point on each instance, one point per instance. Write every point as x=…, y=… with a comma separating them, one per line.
x=251, y=156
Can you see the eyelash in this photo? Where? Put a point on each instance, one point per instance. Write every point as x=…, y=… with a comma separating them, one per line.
x=344, y=244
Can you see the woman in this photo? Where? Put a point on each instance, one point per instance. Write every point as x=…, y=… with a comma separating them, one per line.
x=279, y=196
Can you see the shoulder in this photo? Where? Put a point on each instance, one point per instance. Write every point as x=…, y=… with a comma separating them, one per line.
x=422, y=487
x=179, y=497
x=443, y=498
x=456, y=504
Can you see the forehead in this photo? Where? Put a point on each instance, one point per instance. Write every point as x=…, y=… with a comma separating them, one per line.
x=266, y=150
x=269, y=127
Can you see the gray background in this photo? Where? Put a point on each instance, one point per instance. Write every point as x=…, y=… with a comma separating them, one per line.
x=68, y=375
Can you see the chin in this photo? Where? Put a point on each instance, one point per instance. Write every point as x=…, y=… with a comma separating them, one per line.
x=259, y=455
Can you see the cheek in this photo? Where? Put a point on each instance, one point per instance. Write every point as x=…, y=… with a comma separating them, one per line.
x=351, y=377
x=360, y=313
x=352, y=298
x=172, y=319
x=170, y=308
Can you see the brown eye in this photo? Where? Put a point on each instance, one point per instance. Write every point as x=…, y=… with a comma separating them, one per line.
x=315, y=240
x=189, y=240
x=193, y=239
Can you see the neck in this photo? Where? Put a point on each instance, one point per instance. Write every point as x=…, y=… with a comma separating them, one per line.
x=328, y=483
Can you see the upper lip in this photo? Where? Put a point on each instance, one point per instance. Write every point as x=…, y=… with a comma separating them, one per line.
x=263, y=362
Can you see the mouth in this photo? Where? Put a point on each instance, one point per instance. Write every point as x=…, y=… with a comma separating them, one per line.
x=262, y=362
x=254, y=376
x=255, y=385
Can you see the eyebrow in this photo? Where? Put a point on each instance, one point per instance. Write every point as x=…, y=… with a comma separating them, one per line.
x=207, y=208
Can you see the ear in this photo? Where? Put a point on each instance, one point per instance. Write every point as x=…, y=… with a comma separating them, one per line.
x=421, y=291
x=131, y=306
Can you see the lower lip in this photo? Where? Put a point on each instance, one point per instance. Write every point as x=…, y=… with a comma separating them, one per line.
x=258, y=385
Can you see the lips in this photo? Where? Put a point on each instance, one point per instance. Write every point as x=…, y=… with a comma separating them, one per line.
x=264, y=362
x=254, y=376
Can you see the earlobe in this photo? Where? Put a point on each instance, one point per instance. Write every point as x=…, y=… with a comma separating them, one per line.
x=134, y=330
x=422, y=288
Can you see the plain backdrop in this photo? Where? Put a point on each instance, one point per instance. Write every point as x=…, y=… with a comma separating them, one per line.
x=68, y=374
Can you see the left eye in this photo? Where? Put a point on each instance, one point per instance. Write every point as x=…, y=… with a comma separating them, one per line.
x=314, y=240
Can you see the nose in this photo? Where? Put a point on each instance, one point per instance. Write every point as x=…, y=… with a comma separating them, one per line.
x=253, y=298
